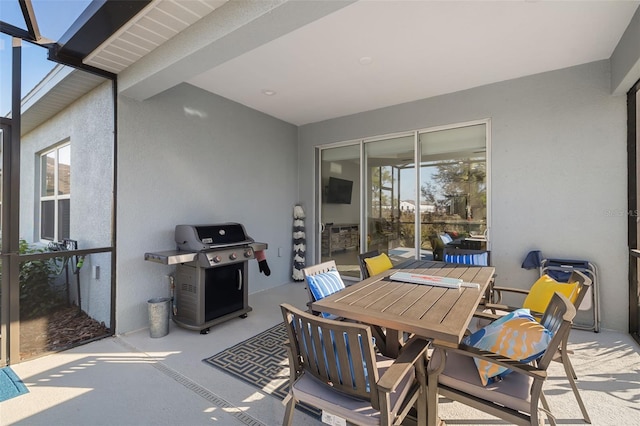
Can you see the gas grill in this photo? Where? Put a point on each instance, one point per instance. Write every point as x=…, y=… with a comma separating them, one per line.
x=211, y=273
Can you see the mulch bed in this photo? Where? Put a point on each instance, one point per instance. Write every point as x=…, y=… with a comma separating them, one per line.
x=57, y=331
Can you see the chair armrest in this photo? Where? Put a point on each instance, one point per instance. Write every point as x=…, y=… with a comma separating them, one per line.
x=518, y=366
x=510, y=289
x=495, y=295
x=486, y=315
x=499, y=307
x=412, y=352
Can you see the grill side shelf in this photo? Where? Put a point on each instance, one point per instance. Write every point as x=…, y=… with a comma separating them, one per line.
x=256, y=246
x=171, y=257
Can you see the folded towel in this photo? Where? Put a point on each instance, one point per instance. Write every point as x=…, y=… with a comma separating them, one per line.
x=533, y=260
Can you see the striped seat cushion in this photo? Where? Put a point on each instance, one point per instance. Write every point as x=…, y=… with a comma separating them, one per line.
x=479, y=259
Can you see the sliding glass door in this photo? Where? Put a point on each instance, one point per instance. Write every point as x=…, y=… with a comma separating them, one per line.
x=416, y=187
x=453, y=191
x=390, y=198
x=340, y=207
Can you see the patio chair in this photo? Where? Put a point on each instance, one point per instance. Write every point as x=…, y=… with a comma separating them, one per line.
x=472, y=257
x=516, y=396
x=323, y=280
x=334, y=367
x=363, y=266
x=373, y=261
x=577, y=293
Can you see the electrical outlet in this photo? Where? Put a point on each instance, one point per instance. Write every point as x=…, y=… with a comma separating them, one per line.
x=279, y=251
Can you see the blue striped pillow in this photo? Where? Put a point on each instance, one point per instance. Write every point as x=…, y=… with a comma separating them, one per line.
x=325, y=284
x=480, y=259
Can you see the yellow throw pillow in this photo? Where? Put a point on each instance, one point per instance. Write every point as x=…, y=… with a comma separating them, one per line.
x=542, y=290
x=377, y=264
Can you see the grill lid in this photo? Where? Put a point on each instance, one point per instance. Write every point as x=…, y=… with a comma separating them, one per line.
x=206, y=237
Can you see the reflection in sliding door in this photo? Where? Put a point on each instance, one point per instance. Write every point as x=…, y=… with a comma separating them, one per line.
x=453, y=190
x=390, y=199
x=340, y=207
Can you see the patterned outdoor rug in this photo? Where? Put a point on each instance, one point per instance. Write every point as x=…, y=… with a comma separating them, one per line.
x=262, y=362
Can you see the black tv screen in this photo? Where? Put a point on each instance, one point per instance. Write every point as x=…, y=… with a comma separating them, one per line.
x=339, y=191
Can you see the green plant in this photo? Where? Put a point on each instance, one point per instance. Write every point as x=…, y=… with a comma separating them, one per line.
x=37, y=295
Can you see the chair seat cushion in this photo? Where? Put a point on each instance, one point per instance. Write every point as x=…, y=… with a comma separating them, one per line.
x=541, y=291
x=460, y=373
x=516, y=335
x=312, y=391
x=378, y=264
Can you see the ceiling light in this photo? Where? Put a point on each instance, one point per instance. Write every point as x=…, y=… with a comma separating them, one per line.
x=365, y=60
x=268, y=92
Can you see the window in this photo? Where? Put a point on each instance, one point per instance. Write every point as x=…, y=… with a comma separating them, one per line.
x=55, y=193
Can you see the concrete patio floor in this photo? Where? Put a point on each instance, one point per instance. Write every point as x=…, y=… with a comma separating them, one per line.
x=133, y=379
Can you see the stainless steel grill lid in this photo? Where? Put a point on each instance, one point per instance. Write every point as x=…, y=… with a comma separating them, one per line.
x=206, y=237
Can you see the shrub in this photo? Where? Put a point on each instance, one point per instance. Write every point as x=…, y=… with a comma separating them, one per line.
x=37, y=296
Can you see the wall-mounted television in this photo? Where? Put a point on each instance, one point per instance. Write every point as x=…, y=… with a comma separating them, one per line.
x=339, y=191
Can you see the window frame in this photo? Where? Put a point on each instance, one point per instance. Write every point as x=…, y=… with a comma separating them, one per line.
x=56, y=197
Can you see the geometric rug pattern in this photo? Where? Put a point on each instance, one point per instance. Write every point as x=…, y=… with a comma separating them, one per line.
x=261, y=361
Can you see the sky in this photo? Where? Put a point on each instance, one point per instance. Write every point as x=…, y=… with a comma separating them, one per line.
x=54, y=17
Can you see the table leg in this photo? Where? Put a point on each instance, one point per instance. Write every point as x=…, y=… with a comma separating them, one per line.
x=392, y=340
x=381, y=339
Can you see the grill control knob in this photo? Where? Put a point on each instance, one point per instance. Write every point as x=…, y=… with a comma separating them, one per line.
x=216, y=259
x=247, y=253
x=233, y=256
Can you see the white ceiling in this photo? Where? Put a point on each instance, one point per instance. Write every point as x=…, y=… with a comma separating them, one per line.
x=418, y=49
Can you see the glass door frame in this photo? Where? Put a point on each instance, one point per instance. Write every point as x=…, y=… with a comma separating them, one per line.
x=633, y=196
x=319, y=225
x=364, y=181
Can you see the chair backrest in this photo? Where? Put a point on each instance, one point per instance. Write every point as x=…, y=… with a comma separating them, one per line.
x=542, y=290
x=584, y=283
x=363, y=266
x=557, y=318
x=319, y=268
x=338, y=353
x=322, y=287
x=467, y=256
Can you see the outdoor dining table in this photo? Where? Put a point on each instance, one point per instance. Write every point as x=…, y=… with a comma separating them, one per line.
x=437, y=313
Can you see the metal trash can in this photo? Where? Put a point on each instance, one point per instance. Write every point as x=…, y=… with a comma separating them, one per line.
x=159, y=309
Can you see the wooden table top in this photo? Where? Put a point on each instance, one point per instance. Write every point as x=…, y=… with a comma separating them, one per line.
x=438, y=313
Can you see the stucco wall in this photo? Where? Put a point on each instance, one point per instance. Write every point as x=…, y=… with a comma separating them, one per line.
x=88, y=125
x=186, y=156
x=558, y=169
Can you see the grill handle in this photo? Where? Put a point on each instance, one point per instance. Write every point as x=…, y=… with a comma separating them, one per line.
x=239, y=279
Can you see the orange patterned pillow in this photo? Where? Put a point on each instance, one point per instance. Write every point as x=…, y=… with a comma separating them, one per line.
x=516, y=335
